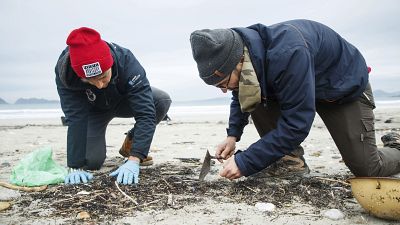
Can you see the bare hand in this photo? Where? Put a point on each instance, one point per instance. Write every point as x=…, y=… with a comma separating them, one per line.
x=230, y=169
x=226, y=149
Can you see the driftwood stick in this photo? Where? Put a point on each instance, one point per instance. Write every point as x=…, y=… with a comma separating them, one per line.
x=251, y=189
x=63, y=200
x=303, y=214
x=149, y=203
x=167, y=183
x=129, y=197
x=333, y=180
x=23, y=188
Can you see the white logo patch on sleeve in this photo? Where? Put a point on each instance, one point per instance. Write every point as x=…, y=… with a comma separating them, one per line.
x=92, y=69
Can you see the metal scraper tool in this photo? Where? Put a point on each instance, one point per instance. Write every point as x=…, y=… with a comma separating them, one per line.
x=205, y=168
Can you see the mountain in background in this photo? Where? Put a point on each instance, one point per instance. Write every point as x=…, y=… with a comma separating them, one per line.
x=227, y=100
x=384, y=94
x=35, y=101
x=211, y=101
x=2, y=101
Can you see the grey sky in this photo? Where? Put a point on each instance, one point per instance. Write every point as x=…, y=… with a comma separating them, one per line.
x=33, y=34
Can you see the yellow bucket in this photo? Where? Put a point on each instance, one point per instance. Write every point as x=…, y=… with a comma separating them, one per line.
x=380, y=196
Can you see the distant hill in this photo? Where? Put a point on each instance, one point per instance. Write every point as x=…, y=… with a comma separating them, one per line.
x=384, y=94
x=2, y=101
x=35, y=101
x=227, y=100
x=211, y=101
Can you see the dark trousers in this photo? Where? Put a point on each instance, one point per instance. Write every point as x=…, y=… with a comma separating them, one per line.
x=97, y=124
x=352, y=128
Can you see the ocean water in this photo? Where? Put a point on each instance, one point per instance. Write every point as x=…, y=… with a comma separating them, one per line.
x=47, y=111
x=30, y=111
x=43, y=111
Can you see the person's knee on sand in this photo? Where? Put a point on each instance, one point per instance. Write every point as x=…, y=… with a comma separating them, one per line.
x=162, y=107
x=162, y=102
x=374, y=168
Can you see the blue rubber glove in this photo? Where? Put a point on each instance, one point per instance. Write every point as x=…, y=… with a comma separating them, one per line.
x=127, y=173
x=76, y=176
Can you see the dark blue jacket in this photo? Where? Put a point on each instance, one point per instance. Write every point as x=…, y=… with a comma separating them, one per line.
x=79, y=100
x=297, y=63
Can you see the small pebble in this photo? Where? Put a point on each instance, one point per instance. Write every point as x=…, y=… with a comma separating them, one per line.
x=35, y=203
x=5, y=164
x=8, y=194
x=4, y=206
x=333, y=214
x=265, y=207
x=83, y=215
x=316, y=154
x=389, y=121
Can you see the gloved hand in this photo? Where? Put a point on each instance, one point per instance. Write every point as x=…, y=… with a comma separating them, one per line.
x=76, y=176
x=127, y=173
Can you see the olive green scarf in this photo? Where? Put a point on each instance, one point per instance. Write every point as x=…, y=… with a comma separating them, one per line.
x=249, y=87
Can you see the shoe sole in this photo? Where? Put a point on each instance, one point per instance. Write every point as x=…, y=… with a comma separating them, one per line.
x=147, y=163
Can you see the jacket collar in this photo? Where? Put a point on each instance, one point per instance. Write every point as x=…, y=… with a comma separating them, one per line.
x=257, y=51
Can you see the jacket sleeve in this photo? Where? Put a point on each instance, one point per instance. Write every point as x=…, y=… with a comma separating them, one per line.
x=237, y=119
x=75, y=107
x=141, y=102
x=294, y=86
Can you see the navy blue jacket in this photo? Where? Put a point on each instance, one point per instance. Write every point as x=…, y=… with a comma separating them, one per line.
x=79, y=99
x=297, y=63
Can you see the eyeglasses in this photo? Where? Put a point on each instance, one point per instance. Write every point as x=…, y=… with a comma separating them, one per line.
x=225, y=85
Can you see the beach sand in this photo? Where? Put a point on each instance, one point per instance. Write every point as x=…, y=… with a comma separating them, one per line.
x=184, y=137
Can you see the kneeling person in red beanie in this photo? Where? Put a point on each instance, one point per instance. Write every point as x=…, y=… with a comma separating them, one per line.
x=98, y=81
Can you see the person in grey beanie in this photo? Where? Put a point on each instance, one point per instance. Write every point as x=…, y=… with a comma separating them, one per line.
x=282, y=75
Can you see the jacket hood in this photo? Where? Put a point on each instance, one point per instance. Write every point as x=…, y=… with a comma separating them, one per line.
x=65, y=72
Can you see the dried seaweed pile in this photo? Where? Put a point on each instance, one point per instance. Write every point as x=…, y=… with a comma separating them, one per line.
x=172, y=186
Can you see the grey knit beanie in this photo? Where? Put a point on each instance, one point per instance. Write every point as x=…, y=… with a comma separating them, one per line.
x=219, y=49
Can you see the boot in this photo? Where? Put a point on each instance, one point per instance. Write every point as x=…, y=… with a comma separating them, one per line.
x=391, y=140
x=126, y=147
x=125, y=150
x=287, y=166
x=292, y=164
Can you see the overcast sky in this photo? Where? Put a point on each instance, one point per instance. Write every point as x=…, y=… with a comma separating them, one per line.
x=33, y=34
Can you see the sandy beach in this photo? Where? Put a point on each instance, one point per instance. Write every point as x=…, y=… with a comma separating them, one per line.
x=180, y=145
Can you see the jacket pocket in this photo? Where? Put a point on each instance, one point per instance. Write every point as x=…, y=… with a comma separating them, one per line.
x=368, y=136
x=367, y=100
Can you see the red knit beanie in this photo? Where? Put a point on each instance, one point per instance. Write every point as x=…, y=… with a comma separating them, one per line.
x=90, y=56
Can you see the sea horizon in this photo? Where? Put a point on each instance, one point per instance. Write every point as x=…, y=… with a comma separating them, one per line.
x=53, y=110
